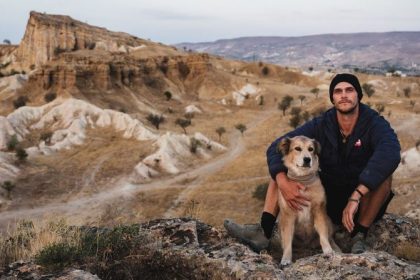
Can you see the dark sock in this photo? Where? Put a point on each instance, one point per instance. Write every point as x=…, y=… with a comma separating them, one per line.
x=267, y=223
x=359, y=228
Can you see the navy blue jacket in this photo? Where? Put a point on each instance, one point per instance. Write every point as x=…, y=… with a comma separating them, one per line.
x=369, y=162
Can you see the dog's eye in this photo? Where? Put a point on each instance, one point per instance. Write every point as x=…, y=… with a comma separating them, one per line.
x=298, y=149
x=310, y=149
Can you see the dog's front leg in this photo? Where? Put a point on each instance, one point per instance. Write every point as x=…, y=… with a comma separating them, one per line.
x=321, y=226
x=287, y=229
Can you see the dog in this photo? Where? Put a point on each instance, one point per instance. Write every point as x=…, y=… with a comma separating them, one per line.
x=301, y=157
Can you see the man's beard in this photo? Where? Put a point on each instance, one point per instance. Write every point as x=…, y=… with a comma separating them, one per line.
x=349, y=111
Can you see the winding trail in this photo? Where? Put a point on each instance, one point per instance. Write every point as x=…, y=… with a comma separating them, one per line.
x=122, y=188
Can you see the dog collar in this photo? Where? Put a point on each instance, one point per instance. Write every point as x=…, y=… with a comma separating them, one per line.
x=305, y=180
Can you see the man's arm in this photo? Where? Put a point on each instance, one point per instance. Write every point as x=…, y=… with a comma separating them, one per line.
x=385, y=158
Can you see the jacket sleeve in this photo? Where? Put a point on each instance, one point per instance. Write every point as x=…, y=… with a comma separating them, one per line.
x=275, y=158
x=386, y=155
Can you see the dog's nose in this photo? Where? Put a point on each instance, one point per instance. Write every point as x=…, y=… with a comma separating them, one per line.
x=306, y=160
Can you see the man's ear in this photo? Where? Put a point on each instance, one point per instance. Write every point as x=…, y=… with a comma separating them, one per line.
x=284, y=146
x=317, y=147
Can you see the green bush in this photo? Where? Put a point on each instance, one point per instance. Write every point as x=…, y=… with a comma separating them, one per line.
x=57, y=256
x=12, y=143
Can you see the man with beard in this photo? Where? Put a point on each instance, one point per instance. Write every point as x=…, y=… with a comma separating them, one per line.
x=359, y=153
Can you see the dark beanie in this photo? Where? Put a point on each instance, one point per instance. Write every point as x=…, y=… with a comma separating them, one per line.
x=349, y=78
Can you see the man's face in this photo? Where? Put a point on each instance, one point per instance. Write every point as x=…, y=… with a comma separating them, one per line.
x=345, y=98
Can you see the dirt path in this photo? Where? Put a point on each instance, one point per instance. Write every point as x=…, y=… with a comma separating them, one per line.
x=91, y=204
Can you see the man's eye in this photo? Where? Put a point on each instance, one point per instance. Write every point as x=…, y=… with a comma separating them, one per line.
x=310, y=149
x=298, y=149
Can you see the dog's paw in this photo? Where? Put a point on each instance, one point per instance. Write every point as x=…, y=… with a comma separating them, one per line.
x=328, y=251
x=285, y=262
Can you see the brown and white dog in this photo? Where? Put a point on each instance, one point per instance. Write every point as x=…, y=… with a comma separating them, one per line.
x=300, y=156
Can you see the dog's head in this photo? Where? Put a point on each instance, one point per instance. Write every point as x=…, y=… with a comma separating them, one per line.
x=300, y=154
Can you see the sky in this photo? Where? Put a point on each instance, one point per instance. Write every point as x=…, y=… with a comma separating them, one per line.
x=176, y=21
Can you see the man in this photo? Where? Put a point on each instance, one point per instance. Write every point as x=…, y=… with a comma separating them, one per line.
x=359, y=153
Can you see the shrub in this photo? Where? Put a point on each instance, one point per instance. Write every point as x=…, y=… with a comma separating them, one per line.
x=241, y=127
x=194, y=144
x=8, y=186
x=315, y=91
x=46, y=137
x=155, y=120
x=12, y=143
x=220, y=131
x=260, y=191
x=407, y=92
x=285, y=103
x=301, y=97
x=183, y=69
x=20, y=101
x=368, y=89
x=183, y=123
x=380, y=107
x=265, y=70
x=50, y=96
x=168, y=95
x=295, y=120
x=21, y=154
x=58, y=256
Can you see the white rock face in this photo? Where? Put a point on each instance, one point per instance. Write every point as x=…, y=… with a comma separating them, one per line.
x=6, y=131
x=12, y=83
x=410, y=163
x=245, y=92
x=174, y=153
x=192, y=109
x=69, y=119
x=7, y=170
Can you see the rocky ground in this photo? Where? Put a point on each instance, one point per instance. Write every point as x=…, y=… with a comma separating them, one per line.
x=189, y=249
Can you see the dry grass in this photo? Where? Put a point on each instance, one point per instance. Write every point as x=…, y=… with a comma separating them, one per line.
x=407, y=251
x=26, y=238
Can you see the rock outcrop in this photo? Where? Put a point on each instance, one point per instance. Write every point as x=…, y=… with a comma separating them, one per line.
x=188, y=249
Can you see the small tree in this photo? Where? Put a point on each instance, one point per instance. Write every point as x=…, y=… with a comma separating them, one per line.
x=7, y=42
x=220, y=131
x=412, y=103
x=310, y=69
x=407, y=92
x=285, y=103
x=50, y=96
x=183, y=123
x=306, y=116
x=194, y=144
x=301, y=97
x=21, y=154
x=189, y=115
x=315, y=91
x=380, y=107
x=168, y=95
x=241, y=127
x=155, y=120
x=368, y=89
x=8, y=186
x=12, y=143
x=183, y=69
x=261, y=102
x=265, y=70
x=20, y=101
x=295, y=120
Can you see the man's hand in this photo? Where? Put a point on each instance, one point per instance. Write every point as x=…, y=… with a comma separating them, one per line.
x=348, y=214
x=291, y=192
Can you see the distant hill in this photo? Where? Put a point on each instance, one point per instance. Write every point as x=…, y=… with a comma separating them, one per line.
x=371, y=52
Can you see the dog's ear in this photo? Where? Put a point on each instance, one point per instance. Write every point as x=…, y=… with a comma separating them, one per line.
x=317, y=147
x=284, y=146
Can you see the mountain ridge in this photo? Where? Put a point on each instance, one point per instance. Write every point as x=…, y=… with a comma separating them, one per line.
x=376, y=52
